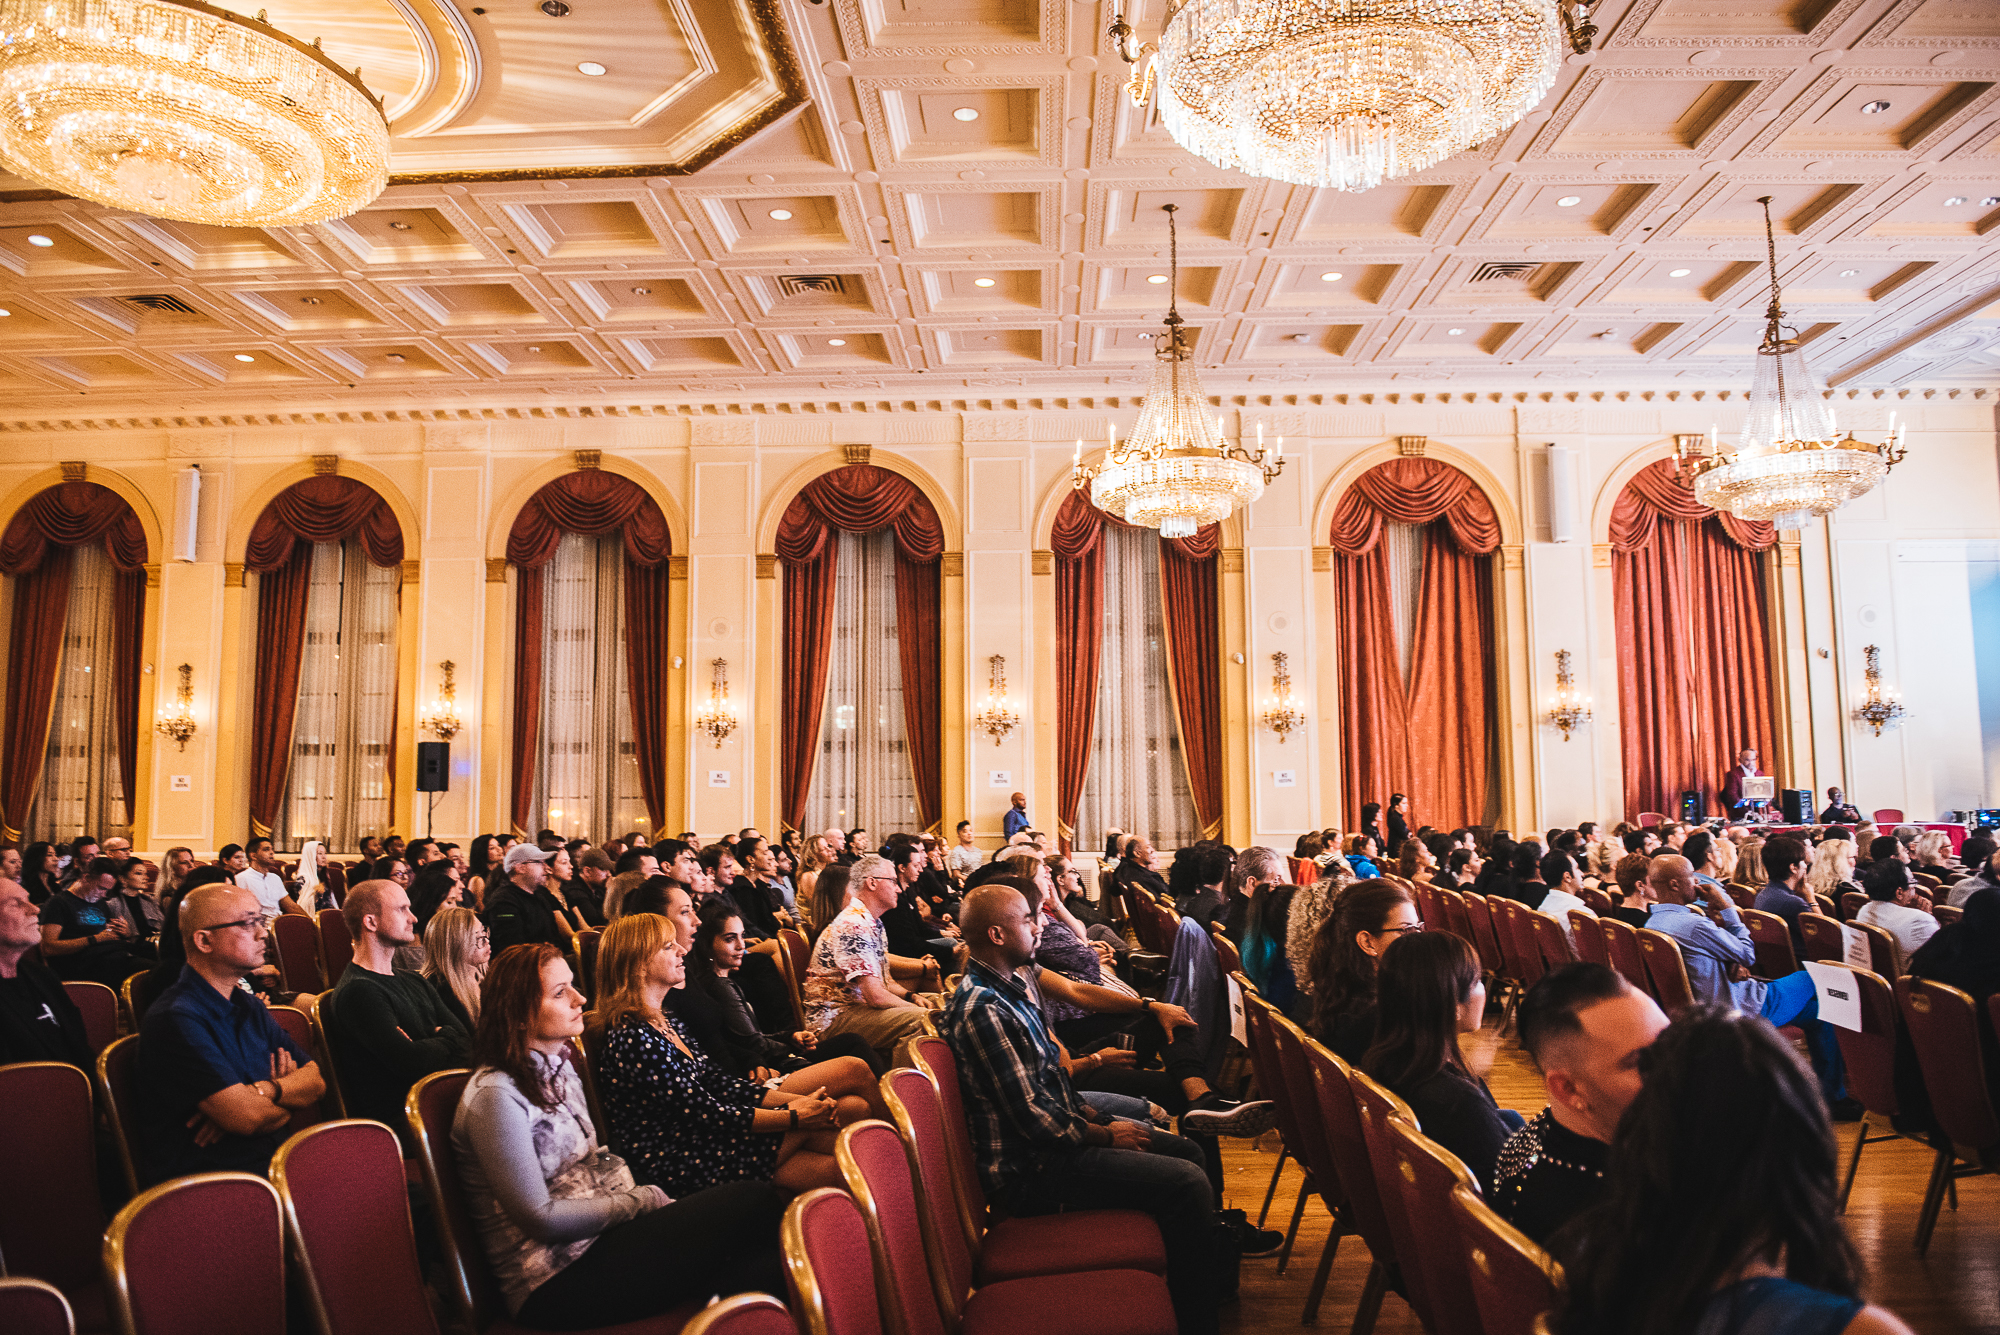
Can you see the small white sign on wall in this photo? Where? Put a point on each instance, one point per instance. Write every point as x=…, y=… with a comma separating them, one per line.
x=180, y=783
x=999, y=778
x=1284, y=778
x=718, y=778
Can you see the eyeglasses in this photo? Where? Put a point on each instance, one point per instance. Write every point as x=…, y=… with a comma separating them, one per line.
x=255, y=920
x=1398, y=931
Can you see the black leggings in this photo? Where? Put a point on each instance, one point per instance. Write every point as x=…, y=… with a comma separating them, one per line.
x=720, y=1241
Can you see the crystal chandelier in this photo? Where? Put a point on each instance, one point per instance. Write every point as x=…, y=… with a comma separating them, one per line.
x=180, y=110
x=997, y=717
x=1349, y=94
x=1571, y=709
x=178, y=723
x=1175, y=472
x=1791, y=463
x=1284, y=716
x=718, y=720
x=442, y=720
x=1881, y=709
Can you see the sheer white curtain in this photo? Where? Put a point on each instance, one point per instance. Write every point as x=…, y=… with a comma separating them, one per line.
x=587, y=775
x=1137, y=780
x=82, y=791
x=862, y=776
x=1403, y=550
x=343, y=735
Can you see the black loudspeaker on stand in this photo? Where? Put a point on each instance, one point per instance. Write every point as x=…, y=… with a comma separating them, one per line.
x=1797, y=805
x=433, y=767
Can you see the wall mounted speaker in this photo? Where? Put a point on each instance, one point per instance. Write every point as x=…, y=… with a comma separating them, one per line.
x=187, y=512
x=1562, y=494
x=433, y=767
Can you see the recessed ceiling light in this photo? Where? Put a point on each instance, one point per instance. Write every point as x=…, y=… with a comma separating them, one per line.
x=1156, y=278
x=1849, y=273
x=1301, y=338
x=39, y=240
x=1679, y=273
x=1330, y=277
x=781, y=215
x=1454, y=332
x=1954, y=201
x=965, y=114
x=982, y=282
x=398, y=225
x=308, y=301
x=1875, y=108
x=642, y=291
x=535, y=348
x=245, y=357
x=590, y=67
x=4, y=313
x=1569, y=201
x=394, y=357
x=836, y=343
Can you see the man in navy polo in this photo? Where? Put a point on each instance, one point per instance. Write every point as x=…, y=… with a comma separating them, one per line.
x=217, y=1079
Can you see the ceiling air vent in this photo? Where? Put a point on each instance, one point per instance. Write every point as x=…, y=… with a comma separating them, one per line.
x=1494, y=270
x=161, y=301
x=812, y=284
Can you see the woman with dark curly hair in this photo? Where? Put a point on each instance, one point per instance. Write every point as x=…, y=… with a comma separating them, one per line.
x=1366, y=919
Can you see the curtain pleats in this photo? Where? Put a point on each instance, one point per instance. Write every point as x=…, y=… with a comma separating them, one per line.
x=82, y=787
x=1449, y=687
x=41, y=618
x=586, y=760
x=528, y=616
x=1079, y=636
x=281, y=631
x=646, y=594
x=808, y=591
x=128, y=653
x=862, y=774
x=1189, y=608
x=919, y=633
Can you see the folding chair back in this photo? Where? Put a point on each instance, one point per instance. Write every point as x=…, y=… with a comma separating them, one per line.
x=1377, y=1107
x=99, y=1005
x=1513, y=1281
x=347, y=1204
x=1587, y=939
x=1552, y=940
x=878, y=1174
x=1621, y=944
x=1667, y=967
x=300, y=1030
x=336, y=945
x=1773, y=941
x=1943, y=1024
x=432, y=1105
x=1881, y=948
x=1822, y=937
x=830, y=1265
x=197, y=1255
x=1430, y=1173
x=50, y=1219
x=933, y=1056
x=116, y=1066
x=913, y=1102
x=31, y=1307
x=296, y=938
x=1485, y=935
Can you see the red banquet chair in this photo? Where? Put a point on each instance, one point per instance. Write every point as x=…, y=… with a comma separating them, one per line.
x=1321, y=1171
x=296, y=939
x=1943, y=1024
x=1375, y=1107
x=347, y=1205
x=1512, y=1279
x=830, y=1266
x=1430, y=1173
x=744, y=1314
x=99, y=1005
x=1667, y=967
x=1587, y=939
x=30, y=1307
x=1621, y=944
x=1270, y=1071
x=1822, y=937
x=50, y=1219
x=1773, y=942
x=1347, y=1144
x=1551, y=940
x=1869, y=1058
x=197, y=1255
x=336, y=945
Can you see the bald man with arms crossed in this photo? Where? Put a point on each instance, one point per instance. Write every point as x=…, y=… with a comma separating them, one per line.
x=217, y=1080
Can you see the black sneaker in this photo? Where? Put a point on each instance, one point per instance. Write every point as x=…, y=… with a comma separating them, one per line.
x=1260, y=1241
x=1214, y=1115
x=1847, y=1110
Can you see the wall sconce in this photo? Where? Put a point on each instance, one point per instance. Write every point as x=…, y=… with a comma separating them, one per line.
x=443, y=718
x=718, y=720
x=1882, y=709
x=178, y=723
x=996, y=717
x=1572, y=708
x=1284, y=717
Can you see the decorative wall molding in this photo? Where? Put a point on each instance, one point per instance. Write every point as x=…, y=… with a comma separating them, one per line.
x=326, y=465
x=767, y=567
x=856, y=454
x=1042, y=563
x=588, y=460
x=952, y=565
x=74, y=470
x=496, y=570
x=677, y=567
x=232, y=574
x=412, y=572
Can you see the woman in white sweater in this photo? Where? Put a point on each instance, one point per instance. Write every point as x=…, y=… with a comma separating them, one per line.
x=574, y=1242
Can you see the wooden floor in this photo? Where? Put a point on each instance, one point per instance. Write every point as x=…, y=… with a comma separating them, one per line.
x=1955, y=1290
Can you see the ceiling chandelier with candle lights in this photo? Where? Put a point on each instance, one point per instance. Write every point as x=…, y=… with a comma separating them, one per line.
x=179, y=110
x=1351, y=94
x=1791, y=463
x=1175, y=472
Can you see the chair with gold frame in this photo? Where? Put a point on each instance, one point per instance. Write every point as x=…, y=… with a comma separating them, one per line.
x=32, y=1307
x=50, y=1218
x=744, y=1314
x=99, y=1006
x=115, y=1066
x=347, y=1208
x=1430, y=1173
x=830, y=1265
x=197, y=1255
x=1513, y=1281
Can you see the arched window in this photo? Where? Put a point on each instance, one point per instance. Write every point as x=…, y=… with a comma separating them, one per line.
x=590, y=658
x=329, y=553
x=1413, y=602
x=1139, y=698
x=1694, y=641
x=860, y=737
x=77, y=557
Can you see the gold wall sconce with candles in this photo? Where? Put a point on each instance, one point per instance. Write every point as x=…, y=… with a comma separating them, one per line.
x=997, y=717
x=1284, y=716
x=178, y=722
x=442, y=721
x=718, y=720
x=1571, y=709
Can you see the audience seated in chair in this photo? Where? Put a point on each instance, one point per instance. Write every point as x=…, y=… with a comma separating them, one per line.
x=1719, y=1215
x=87, y=935
x=1368, y=917
x=1787, y=862
x=1892, y=906
x=1585, y=1027
x=217, y=1079
x=573, y=1239
x=1559, y=873
x=520, y=907
x=718, y=952
x=38, y=1021
x=848, y=988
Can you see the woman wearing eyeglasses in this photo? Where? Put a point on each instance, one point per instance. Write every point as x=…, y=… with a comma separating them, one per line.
x=1367, y=918
x=1428, y=992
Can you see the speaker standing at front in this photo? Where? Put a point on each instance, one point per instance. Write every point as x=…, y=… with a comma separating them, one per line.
x=433, y=767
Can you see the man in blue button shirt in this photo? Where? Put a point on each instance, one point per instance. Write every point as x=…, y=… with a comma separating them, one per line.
x=217, y=1080
x=1719, y=958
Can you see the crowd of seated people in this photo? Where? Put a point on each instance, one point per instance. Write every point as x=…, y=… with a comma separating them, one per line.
x=718, y=1103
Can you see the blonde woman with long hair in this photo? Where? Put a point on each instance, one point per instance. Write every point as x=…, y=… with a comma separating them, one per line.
x=1832, y=870
x=682, y=1122
x=456, y=953
x=813, y=859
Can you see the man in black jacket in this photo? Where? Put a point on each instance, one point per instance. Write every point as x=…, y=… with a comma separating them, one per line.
x=523, y=911
x=38, y=1021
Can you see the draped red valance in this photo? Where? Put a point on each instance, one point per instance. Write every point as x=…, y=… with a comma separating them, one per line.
x=1694, y=665
x=860, y=498
x=1414, y=491
x=324, y=509
x=1188, y=600
x=1427, y=736
x=37, y=549
x=71, y=514
x=591, y=502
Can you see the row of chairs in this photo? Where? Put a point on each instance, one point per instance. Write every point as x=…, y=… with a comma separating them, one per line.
x=1462, y=1269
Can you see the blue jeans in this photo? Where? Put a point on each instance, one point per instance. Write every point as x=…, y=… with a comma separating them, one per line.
x=1169, y=1184
x=1118, y=1105
x=1794, y=1000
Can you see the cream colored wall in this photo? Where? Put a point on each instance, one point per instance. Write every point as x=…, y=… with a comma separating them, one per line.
x=1889, y=570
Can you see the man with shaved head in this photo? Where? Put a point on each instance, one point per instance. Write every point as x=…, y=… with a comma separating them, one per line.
x=1719, y=958
x=386, y=1027
x=1041, y=1149
x=217, y=1080
x=38, y=1021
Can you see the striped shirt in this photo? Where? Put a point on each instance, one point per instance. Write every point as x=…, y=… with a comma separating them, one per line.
x=1018, y=1099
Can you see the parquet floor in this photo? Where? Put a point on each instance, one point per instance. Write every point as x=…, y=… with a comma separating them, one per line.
x=1955, y=1290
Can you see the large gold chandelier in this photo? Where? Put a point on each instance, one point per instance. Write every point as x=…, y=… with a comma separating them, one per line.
x=1175, y=472
x=180, y=110
x=1349, y=93
x=1791, y=462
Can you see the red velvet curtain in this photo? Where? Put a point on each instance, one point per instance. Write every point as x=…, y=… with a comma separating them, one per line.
x=860, y=498
x=592, y=502
x=36, y=551
x=1190, y=610
x=1694, y=665
x=311, y=511
x=1427, y=738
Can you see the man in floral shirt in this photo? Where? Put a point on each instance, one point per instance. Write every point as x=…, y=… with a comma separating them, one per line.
x=848, y=989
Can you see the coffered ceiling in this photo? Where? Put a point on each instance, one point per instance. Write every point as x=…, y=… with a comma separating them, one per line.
x=782, y=202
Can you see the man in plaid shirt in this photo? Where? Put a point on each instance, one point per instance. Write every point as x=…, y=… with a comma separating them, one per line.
x=1040, y=1148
